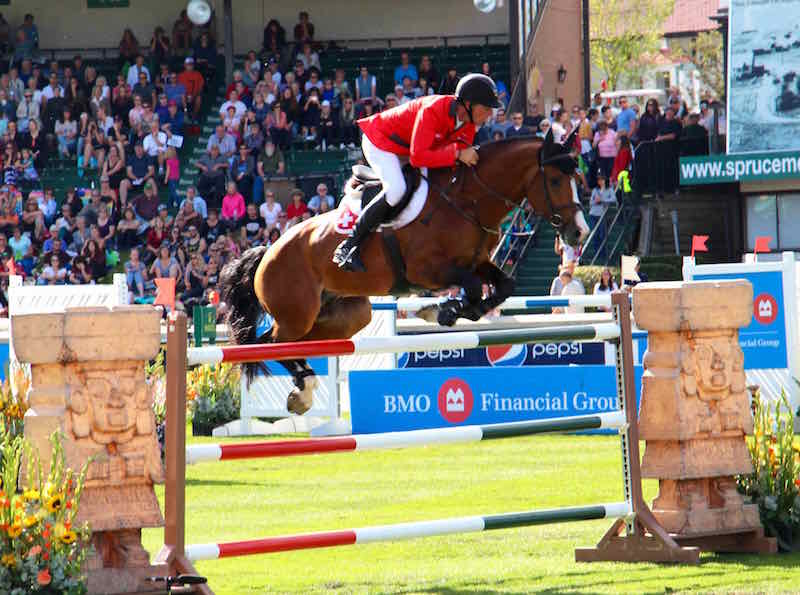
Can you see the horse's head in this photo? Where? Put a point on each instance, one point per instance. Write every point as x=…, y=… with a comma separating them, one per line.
x=554, y=193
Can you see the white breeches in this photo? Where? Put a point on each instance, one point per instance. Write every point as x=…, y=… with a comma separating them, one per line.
x=388, y=167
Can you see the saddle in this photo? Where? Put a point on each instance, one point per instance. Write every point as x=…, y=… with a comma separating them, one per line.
x=368, y=182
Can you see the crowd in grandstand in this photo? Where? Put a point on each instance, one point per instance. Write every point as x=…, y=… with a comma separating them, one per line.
x=127, y=133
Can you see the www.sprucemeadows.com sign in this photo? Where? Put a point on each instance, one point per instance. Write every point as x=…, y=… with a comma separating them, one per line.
x=716, y=169
x=108, y=3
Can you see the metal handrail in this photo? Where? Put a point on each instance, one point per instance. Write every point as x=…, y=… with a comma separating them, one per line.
x=624, y=210
x=515, y=239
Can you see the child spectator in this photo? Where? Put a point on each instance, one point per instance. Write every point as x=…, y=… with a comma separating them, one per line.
x=136, y=275
x=29, y=173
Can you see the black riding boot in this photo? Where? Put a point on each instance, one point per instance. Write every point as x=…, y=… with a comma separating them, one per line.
x=347, y=253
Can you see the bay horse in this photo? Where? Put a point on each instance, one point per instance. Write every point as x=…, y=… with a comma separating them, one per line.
x=292, y=291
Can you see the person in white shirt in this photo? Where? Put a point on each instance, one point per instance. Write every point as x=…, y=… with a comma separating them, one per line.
x=49, y=91
x=270, y=210
x=198, y=202
x=241, y=108
x=605, y=286
x=135, y=69
x=155, y=145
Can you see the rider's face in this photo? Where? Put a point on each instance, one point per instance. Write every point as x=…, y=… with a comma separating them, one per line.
x=480, y=114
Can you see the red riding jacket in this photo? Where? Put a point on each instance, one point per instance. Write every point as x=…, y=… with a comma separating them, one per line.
x=423, y=129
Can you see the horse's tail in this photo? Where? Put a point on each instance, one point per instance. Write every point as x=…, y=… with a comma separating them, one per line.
x=244, y=309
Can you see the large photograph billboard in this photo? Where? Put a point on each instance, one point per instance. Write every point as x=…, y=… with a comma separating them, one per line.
x=764, y=76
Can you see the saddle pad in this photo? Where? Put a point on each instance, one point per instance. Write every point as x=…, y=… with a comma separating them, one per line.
x=350, y=208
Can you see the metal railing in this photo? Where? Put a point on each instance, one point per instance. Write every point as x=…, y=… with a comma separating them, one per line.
x=623, y=217
x=515, y=240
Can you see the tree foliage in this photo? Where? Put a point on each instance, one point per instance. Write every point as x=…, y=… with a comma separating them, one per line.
x=706, y=55
x=622, y=32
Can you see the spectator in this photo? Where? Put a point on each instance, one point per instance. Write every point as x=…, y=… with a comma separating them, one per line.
x=348, y=129
x=182, y=32
x=304, y=29
x=233, y=207
x=106, y=228
x=365, y=86
x=270, y=209
x=405, y=70
x=144, y=89
x=193, y=82
x=155, y=145
x=626, y=119
x=313, y=82
x=602, y=197
x=156, y=236
x=309, y=57
x=7, y=107
x=175, y=91
x=187, y=216
x=195, y=280
x=165, y=266
x=80, y=273
x=114, y=170
x=128, y=230
x=76, y=96
x=274, y=38
x=328, y=129
x=517, y=128
x=48, y=206
x=29, y=173
x=669, y=128
x=224, y=142
x=54, y=273
x=172, y=175
x=649, y=122
x=253, y=226
x=311, y=115
x=198, y=203
x=135, y=275
x=54, y=110
x=94, y=150
x=253, y=138
x=623, y=158
x=19, y=243
x=568, y=286
x=232, y=123
x=35, y=141
x=605, y=144
x=605, y=286
x=297, y=210
x=146, y=205
x=502, y=125
x=400, y=97
x=243, y=172
x=173, y=123
x=128, y=48
x=429, y=72
x=211, y=182
x=27, y=110
x=159, y=47
x=95, y=258
x=233, y=101
x=321, y=196
x=136, y=70
x=56, y=248
x=205, y=55
x=559, y=126
x=32, y=221
x=450, y=82
x=212, y=227
x=694, y=137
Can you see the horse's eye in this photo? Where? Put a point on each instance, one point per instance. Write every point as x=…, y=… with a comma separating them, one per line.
x=554, y=182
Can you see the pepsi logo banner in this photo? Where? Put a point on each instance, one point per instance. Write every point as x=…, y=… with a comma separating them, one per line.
x=535, y=354
x=763, y=341
x=400, y=400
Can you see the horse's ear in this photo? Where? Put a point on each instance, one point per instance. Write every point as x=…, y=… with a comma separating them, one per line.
x=570, y=141
x=548, y=138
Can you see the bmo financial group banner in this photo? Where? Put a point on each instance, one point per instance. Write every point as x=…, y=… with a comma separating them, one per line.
x=435, y=389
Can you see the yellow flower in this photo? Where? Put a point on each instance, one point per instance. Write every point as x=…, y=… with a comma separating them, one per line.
x=30, y=521
x=31, y=495
x=68, y=537
x=8, y=559
x=54, y=503
x=59, y=530
x=15, y=530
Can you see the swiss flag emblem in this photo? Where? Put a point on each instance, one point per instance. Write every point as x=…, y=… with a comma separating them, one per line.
x=345, y=220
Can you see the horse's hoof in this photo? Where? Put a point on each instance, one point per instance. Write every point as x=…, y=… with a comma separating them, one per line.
x=447, y=316
x=300, y=401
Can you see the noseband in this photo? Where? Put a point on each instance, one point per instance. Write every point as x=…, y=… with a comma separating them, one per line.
x=556, y=220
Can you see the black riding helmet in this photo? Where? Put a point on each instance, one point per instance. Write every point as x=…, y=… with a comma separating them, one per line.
x=477, y=88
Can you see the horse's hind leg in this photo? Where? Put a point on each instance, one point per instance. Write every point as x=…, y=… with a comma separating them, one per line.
x=339, y=318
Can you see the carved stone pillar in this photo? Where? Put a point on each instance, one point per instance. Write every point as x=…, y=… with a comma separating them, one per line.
x=695, y=411
x=87, y=380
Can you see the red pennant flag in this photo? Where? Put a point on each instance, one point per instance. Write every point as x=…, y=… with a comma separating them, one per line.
x=762, y=244
x=165, y=296
x=699, y=244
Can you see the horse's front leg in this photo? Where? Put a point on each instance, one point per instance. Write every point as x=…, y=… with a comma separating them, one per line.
x=467, y=306
x=495, y=277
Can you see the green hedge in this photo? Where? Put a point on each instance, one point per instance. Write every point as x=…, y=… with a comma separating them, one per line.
x=657, y=268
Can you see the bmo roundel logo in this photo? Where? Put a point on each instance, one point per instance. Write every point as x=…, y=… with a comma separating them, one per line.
x=455, y=400
x=765, y=308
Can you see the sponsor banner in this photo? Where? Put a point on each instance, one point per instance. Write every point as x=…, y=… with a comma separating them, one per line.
x=401, y=400
x=717, y=169
x=534, y=354
x=763, y=341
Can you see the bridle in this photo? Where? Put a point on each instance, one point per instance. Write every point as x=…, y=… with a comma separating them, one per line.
x=556, y=220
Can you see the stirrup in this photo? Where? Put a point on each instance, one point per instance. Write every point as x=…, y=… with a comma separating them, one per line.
x=348, y=257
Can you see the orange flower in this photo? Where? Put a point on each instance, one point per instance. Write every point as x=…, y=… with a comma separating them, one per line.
x=46, y=556
x=44, y=578
x=797, y=482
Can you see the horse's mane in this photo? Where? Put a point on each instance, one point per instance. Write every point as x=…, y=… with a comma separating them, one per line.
x=494, y=145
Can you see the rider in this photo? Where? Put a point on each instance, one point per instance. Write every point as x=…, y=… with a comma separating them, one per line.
x=431, y=131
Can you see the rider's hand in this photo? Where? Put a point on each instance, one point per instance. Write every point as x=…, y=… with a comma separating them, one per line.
x=468, y=155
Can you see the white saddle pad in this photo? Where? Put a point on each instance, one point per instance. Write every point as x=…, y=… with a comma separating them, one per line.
x=350, y=207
